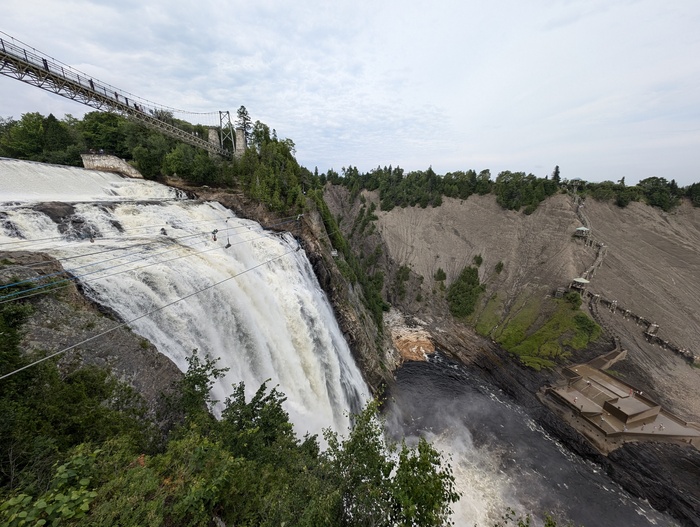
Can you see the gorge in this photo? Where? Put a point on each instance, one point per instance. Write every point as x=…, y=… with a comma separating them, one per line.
x=199, y=277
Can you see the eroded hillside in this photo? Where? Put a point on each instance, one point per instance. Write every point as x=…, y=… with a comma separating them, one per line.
x=651, y=266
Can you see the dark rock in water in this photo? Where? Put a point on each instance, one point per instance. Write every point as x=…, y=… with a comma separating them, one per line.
x=57, y=211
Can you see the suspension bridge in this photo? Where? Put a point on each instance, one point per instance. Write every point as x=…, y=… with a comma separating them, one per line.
x=24, y=63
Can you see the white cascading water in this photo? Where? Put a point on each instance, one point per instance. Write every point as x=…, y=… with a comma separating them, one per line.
x=256, y=304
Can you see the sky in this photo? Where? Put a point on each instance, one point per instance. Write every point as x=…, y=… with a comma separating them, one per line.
x=604, y=89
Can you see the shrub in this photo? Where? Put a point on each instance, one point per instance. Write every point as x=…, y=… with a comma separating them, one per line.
x=464, y=292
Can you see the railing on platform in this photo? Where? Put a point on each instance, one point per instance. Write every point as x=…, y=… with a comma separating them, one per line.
x=45, y=73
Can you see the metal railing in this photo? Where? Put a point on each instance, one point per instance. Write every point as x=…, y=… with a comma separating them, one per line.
x=48, y=74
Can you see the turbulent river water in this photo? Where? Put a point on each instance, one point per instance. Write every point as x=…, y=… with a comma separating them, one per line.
x=190, y=275
x=500, y=456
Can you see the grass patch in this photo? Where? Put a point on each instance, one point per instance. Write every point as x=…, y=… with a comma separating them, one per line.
x=514, y=329
x=490, y=316
x=538, y=341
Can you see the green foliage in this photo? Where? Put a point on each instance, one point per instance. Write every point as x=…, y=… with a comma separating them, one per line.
x=371, y=283
x=539, y=341
x=376, y=489
x=244, y=122
x=515, y=189
x=426, y=188
x=573, y=298
x=68, y=499
x=402, y=276
x=439, y=275
x=24, y=138
x=660, y=193
x=693, y=193
x=250, y=469
x=656, y=191
x=489, y=318
x=499, y=267
x=478, y=260
x=267, y=172
x=464, y=292
x=62, y=409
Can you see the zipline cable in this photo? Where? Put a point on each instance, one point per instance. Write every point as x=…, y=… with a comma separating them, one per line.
x=67, y=281
x=142, y=316
x=61, y=238
x=37, y=264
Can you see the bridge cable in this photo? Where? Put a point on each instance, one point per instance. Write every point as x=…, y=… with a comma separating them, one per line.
x=107, y=85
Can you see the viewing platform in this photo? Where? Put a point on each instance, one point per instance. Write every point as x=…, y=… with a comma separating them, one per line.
x=610, y=412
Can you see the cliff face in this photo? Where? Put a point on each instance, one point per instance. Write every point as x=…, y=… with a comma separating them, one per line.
x=650, y=265
x=371, y=349
x=64, y=317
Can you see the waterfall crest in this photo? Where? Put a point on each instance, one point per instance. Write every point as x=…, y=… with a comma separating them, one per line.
x=267, y=317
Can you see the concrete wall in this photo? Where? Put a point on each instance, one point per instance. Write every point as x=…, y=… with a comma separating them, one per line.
x=109, y=163
x=240, y=142
x=214, y=137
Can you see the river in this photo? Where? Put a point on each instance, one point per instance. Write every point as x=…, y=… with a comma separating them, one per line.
x=500, y=456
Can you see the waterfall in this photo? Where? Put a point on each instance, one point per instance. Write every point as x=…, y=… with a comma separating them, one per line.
x=250, y=297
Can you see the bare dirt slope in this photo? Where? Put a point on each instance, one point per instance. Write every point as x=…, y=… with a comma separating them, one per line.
x=651, y=266
x=535, y=250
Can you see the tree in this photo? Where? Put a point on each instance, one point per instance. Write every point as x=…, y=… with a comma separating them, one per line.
x=180, y=161
x=105, y=131
x=377, y=489
x=150, y=157
x=464, y=292
x=24, y=139
x=244, y=122
x=556, y=177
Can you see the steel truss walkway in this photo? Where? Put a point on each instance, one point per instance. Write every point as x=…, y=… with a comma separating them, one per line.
x=43, y=72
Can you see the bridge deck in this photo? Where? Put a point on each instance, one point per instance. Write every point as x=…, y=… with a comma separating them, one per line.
x=44, y=72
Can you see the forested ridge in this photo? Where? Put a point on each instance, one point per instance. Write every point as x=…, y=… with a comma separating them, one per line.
x=513, y=190
x=270, y=173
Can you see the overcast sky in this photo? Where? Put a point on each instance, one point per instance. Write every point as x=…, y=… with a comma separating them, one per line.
x=603, y=88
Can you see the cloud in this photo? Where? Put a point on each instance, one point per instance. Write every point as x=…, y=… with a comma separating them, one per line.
x=510, y=85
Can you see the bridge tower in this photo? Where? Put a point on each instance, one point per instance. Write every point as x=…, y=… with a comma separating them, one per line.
x=227, y=131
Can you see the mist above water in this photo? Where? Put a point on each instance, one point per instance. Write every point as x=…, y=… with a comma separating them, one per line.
x=500, y=456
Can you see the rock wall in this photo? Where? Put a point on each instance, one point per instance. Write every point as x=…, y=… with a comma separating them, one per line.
x=108, y=163
x=65, y=317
